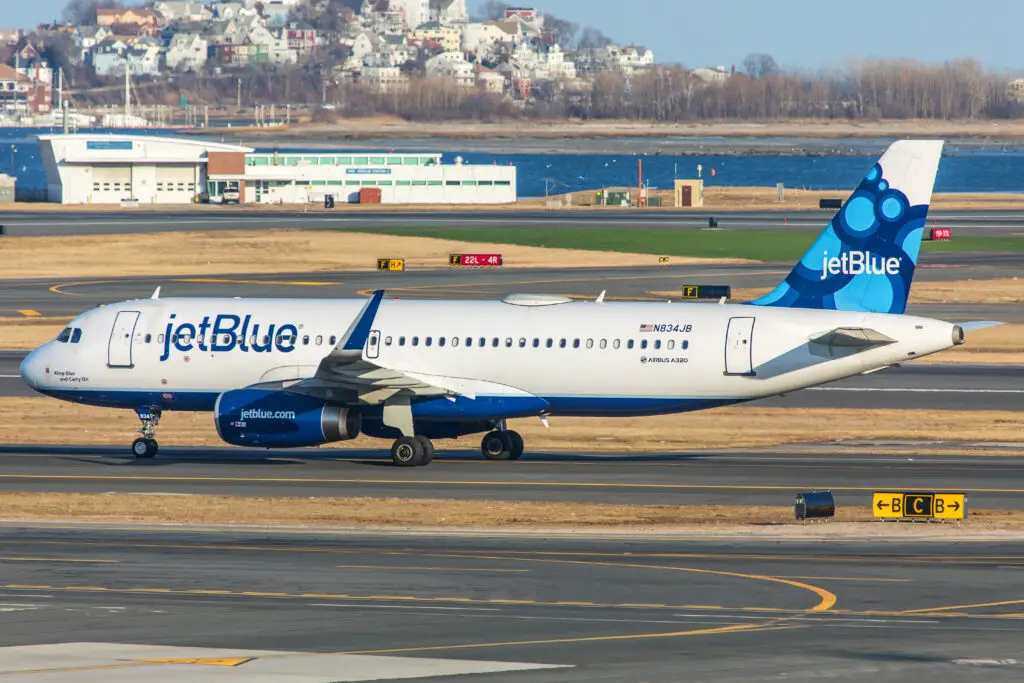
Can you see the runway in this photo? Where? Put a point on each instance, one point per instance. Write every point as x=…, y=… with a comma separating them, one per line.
x=611, y=609
x=122, y=221
x=912, y=386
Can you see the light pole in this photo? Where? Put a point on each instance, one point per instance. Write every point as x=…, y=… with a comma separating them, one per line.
x=13, y=150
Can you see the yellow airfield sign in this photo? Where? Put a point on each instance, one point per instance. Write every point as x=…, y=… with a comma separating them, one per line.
x=918, y=505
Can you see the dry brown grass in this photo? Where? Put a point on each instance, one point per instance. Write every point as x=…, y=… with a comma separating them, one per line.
x=43, y=420
x=427, y=513
x=268, y=251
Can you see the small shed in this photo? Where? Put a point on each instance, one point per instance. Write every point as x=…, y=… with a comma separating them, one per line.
x=689, y=193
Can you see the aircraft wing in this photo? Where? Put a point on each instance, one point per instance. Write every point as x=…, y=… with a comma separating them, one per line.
x=347, y=375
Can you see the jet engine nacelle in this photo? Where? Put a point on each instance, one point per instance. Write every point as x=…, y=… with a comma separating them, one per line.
x=281, y=419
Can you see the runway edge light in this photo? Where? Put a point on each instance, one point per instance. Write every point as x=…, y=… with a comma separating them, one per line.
x=901, y=505
x=814, y=505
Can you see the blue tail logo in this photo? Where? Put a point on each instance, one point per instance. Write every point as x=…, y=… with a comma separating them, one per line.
x=865, y=259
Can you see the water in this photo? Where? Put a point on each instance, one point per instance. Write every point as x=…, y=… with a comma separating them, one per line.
x=962, y=169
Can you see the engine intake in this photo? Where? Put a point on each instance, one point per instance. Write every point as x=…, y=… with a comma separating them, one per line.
x=281, y=419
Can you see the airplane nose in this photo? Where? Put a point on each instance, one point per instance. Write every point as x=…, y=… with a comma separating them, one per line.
x=32, y=370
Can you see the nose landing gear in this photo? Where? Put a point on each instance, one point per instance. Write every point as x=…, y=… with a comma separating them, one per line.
x=146, y=446
x=502, y=445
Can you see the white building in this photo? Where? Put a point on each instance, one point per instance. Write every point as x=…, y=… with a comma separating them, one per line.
x=176, y=11
x=401, y=178
x=186, y=52
x=110, y=169
x=718, y=74
x=382, y=78
x=452, y=65
x=482, y=37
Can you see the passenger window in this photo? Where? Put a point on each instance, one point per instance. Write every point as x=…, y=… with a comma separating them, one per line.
x=561, y=343
x=149, y=338
x=415, y=341
x=320, y=340
x=575, y=343
x=590, y=343
x=494, y=342
x=201, y=337
x=401, y=341
x=483, y=342
x=469, y=341
x=643, y=344
x=252, y=340
x=174, y=338
x=333, y=340
x=550, y=342
x=305, y=339
x=508, y=342
x=160, y=339
x=266, y=339
x=455, y=341
x=686, y=344
x=657, y=343
x=522, y=342
x=76, y=335
x=440, y=341
x=629, y=344
x=671, y=344
x=604, y=344
x=64, y=335
x=536, y=342
x=616, y=344
x=428, y=341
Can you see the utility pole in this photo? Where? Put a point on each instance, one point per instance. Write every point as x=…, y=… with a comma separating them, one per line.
x=127, y=93
x=238, y=95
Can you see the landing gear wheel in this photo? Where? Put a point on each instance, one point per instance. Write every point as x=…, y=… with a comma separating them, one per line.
x=497, y=446
x=407, y=451
x=517, y=444
x=144, y=448
x=428, y=449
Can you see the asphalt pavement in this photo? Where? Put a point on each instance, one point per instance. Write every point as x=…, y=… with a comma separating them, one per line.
x=122, y=221
x=70, y=296
x=737, y=477
x=600, y=609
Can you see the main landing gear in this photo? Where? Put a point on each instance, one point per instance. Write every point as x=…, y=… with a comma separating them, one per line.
x=412, y=451
x=146, y=446
x=502, y=445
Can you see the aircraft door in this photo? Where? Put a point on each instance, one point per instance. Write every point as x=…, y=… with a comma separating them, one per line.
x=739, y=351
x=119, y=349
x=373, y=344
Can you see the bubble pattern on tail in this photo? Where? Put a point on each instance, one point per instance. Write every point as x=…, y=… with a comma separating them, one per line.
x=865, y=258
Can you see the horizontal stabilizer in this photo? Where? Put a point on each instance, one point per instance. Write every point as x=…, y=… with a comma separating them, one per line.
x=854, y=337
x=979, y=325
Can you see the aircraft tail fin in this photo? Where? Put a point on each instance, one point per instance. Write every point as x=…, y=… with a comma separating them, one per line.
x=866, y=256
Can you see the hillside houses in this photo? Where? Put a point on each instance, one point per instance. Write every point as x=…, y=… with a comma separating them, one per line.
x=381, y=45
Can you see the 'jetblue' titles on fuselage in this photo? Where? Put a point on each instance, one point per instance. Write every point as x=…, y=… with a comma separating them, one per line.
x=226, y=333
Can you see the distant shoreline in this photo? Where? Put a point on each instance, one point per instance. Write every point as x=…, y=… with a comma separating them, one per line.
x=792, y=137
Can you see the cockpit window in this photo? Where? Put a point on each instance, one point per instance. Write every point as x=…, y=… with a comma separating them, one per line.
x=76, y=335
x=64, y=335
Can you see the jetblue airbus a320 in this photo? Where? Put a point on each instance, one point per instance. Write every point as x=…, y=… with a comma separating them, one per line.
x=281, y=373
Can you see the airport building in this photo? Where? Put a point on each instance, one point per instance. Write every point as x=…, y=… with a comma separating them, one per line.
x=115, y=169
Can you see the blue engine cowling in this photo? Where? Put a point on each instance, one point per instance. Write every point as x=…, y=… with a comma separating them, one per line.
x=281, y=419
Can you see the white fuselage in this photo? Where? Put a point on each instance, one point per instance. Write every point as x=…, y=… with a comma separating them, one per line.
x=581, y=358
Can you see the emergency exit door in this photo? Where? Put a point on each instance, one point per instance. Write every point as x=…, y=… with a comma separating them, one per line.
x=119, y=349
x=739, y=351
x=373, y=344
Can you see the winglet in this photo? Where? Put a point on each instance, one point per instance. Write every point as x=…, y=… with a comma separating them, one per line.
x=358, y=332
x=156, y=294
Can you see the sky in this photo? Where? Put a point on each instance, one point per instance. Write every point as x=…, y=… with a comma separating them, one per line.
x=799, y=33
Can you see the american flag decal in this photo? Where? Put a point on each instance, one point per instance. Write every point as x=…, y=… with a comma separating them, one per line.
x=647, y=328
